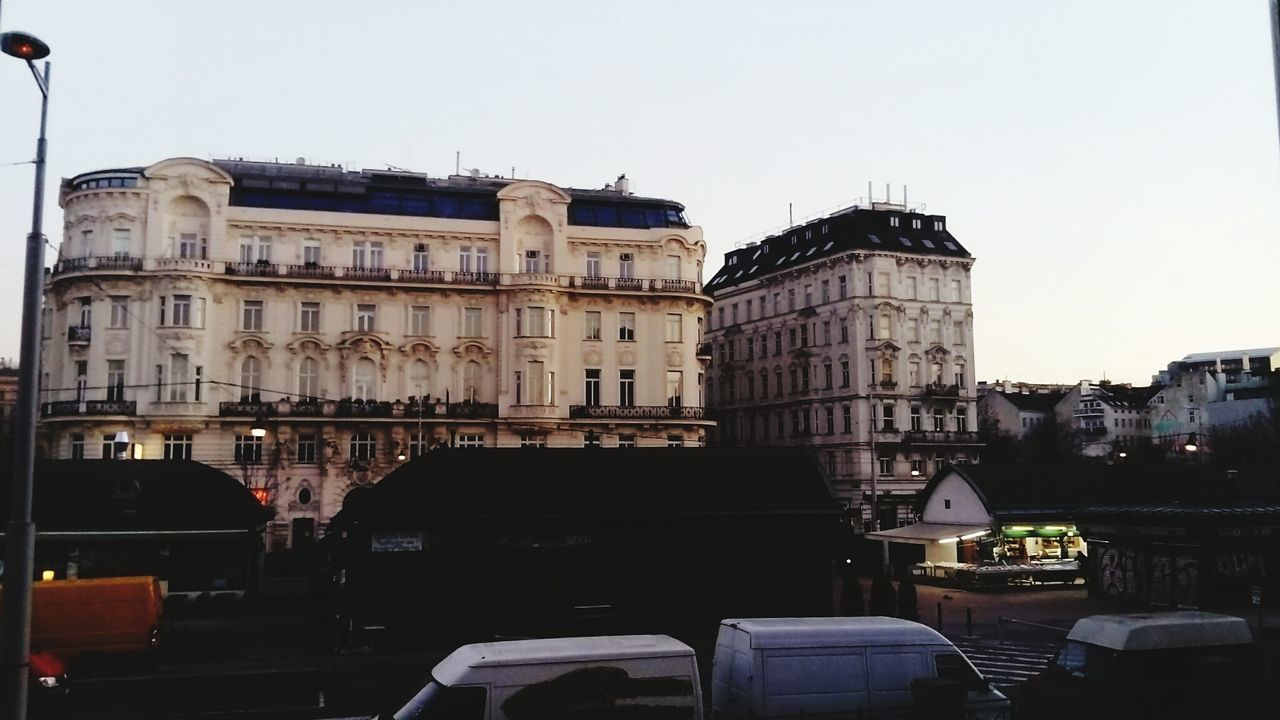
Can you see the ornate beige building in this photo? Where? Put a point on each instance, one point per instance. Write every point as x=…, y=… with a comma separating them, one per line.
x=361, y=318
x=851, y=334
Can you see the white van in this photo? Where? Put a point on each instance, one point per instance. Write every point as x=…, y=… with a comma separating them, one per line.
x=835, y=667
x=634, y=676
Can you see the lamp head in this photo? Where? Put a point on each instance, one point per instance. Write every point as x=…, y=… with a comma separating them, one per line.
x=1191, y=445
x=23, y=46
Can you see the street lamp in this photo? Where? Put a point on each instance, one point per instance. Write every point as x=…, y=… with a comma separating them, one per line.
x=1192, y=445
x=20, y=535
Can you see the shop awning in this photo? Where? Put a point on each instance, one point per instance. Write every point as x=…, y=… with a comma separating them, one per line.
x=925, y=533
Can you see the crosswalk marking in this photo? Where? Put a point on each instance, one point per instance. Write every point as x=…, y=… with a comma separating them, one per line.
x=1006, y=664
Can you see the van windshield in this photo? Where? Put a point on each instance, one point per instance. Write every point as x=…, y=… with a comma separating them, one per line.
x=441, y=702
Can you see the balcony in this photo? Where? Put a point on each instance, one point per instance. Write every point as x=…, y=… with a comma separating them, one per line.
x=111, y=407
x=593, y=282
x=246, y=408
x=78, y=336
x=183, y=264
x=361, y=408
x=310, y=270
x=1088, y=411
x=66, y=408
x=704, y=350
x=941, y=437
x=533, y=279
x=641, y=412
x=260, y=268
x=941, y=390
x=371, y=274
x=469, y=410
x=687, y=286
x=473, y=278
x=98, y=262
x=421, y=276
x=888, y=385
x=628, y=284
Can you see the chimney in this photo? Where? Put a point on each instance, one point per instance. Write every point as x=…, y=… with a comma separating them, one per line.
x=1244, y=367
x=1084, y=388
x=1008, y=387
x=623, y=185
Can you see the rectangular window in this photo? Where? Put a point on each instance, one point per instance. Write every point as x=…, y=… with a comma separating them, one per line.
x=847, y=418
x=826, y=290
x=626, y=441
x=889, y=424
x=935, y=332
x=939, y=420
x=108, y=446
x=115, y=380
x=913, y=330
x=534, y=440
x=626, y=266
x=119, y=311
x=255, y=249
x=252, y=316
x=910, y=290
x=917, y=423
x=591, y=390
x=188, y=247
x=473, y=322
x=808, y=295
x=591, y=330
x=470, y=440
x=627, y=388
x=777, y=343
x=419, y=320
x=914, y=368
x=843, y=283
x=593, y=263
x=791, y=299
x=844, y=373
x=533, y=261
x=539, y=392
x=674, y=326
x=364, y=447
x=179, y=368
x=366, y=254
x=82, y=380
x=418, y=445
x=181, y=310
x=248, y=449
x=366, y=316
x=962, y=419
x=957, y=293
x=882, y=284
x=121, y=242
x=886, y=466
x=306, y=447
x=464, y=258
x=831, y=420
x=537, y=320
x=177, y=447
x=421, y=258
x=77, y=446
x=311, y=252
x=957, y=333
x=674, y=441
x=675, y=388
x=933, y=289
x=673, y=267
x=309, y=317
x=626, y=326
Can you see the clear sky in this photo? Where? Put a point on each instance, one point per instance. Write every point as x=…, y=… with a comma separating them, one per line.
x=1113, y=166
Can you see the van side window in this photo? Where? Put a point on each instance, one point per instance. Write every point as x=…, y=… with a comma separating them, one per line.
x=436, y=701
x=951, y=666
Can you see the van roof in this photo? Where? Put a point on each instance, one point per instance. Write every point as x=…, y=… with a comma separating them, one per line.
x=1155, y=631
x=834, y=632
x=550, y=650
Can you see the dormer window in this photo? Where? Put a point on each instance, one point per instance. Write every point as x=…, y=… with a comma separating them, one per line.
x=937, y=225
x=893, y=221
x=915, y=223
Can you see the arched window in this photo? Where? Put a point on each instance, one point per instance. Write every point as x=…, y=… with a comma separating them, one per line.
x=471, y=381
x=419, y=379
x=308, y=379
x=364, y=380
x=251, y=379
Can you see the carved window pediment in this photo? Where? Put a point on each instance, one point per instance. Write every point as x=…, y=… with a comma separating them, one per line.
x=472, y=349
x=249, y=343
x=308, y=344
x=421, y=349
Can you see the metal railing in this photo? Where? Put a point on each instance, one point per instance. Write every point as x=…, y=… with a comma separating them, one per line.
x=308, y=270
x=684, y=412
x=78, y=335
x=97, y=262
x=258, y=268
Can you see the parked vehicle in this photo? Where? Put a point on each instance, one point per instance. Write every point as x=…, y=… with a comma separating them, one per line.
x=1172, y=664
x=628, y=676
x=71, y=618
x=836, y=667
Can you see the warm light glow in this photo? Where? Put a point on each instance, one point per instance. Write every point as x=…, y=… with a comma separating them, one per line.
x=1020, y=528
x=915, y=473
x=973, y=535
x=1058, y=528
x=402, y=457
x=1123, y=454
x=260, y=494
x=47, y=575
x=258, y=431
x=948, y=540
x=137, y=451
x=1191, y=446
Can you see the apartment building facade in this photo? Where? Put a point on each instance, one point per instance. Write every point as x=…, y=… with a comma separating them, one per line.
x=851, y=334
x=309, y=328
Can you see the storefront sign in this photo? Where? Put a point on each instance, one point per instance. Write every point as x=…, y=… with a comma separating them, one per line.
x=397, y=542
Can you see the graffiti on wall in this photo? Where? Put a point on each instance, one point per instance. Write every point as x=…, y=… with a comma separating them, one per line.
x=1120, y=572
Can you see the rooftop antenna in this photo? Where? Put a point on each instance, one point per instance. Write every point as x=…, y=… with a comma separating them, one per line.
x=888, y=193
x=870, y=197
x=513, y=172
x=395, y=168
x=790, y=216
x=904, y=196
x=457, y=162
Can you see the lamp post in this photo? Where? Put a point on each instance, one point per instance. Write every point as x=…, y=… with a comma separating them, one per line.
x=20, y=535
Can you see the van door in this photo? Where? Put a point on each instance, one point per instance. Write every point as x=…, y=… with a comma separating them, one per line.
x=981, y=699
x=891, y=671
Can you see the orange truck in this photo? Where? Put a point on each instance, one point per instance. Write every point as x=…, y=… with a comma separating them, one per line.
x=70, y=618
